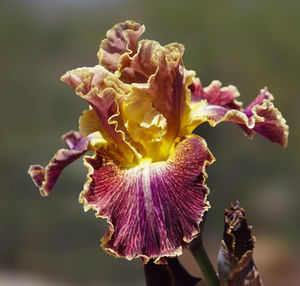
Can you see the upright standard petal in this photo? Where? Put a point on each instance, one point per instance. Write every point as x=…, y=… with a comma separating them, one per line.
x=215, y=104
x=45, y=178
x=139, y=67
x=235, y=260
x=153, y=209
x=165, y=97
x=121, y=39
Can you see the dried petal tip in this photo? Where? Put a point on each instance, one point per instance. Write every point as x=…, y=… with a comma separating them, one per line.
x=235, y=260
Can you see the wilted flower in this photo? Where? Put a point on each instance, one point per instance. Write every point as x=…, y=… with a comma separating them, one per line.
x=235, y=261
x=147, y=176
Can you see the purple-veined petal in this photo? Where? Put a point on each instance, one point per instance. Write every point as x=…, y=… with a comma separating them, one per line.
x=45, y=178
x=235, y=259
x=153, y=209
x=216, y=104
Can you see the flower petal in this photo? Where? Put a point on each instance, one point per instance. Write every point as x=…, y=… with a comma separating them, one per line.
x=153, y=208
x=138, y=68
x=167, y=91
x=274, y=126
x=105, y=93
x=121, y=39
x=235, y=260
x=215, y=104
x=215, y=95
x=89, y=122
x=45, y=178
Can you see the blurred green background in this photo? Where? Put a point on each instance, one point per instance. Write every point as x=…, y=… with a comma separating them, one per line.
x=251, y=44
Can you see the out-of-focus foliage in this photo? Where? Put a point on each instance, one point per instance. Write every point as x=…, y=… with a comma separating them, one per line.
x=246, y=43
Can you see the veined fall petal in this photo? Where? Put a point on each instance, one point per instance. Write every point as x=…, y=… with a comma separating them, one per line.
x=154, y=208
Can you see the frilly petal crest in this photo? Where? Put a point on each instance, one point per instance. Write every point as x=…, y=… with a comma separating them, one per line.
x=121, y=39
x=165, y=96
x=150, y=88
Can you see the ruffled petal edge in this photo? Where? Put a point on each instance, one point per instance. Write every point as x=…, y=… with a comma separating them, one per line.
x=104, y=194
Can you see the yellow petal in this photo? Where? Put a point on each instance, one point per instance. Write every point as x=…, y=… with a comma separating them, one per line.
x=104, y=92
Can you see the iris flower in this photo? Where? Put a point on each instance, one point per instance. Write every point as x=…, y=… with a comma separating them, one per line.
x=147, y=175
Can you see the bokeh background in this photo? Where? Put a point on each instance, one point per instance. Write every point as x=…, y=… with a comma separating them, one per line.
x=251, y=44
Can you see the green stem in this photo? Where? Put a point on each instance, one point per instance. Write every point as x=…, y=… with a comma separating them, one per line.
x=204, y=263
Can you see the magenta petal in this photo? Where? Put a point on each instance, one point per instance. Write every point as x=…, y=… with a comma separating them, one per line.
x=274, y=126
x=45, y=178
x=215, y=94
x=153, y=209
x=215, y=104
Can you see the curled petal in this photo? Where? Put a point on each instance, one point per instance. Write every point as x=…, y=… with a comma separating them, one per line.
x=274, y=126
x=89, y=122
x=144, y=123
x=105, y=93
x=45, y=178
x=153, y=209
x=215, y=104
x=121, y=39
x=235, y=260
x=138, y=68
x=121, y=53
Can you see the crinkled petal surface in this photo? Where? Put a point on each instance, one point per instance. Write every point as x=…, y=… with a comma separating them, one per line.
x=154, y=208
x=235, y=259
x=162, y=100
x=216, y=104
x=121, y=39
x=45, y=178
x=159, y=97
